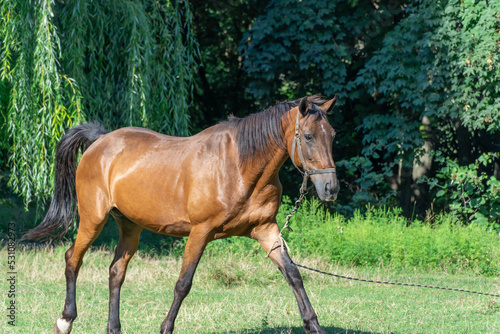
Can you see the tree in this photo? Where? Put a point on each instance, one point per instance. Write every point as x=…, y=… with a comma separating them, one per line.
x=221, y=81
x=413, y=78
x=314, y=46
x=437, y=64
x=118, y=62
x=318, y=46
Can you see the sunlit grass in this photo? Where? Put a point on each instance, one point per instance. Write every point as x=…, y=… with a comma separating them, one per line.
x=233, y=293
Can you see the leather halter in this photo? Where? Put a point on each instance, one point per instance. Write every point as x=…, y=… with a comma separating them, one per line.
x=306, y=172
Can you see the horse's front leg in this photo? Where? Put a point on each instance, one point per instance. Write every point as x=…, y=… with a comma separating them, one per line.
x=266, y=235
x=195, y=245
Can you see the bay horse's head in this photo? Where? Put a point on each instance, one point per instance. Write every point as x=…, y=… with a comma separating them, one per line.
x=311, y=147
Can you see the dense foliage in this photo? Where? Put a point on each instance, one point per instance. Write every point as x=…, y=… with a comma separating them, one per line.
x=436, y=76
x=418, y=116
x=303, y=47
x=414, y=79
x=117, y=62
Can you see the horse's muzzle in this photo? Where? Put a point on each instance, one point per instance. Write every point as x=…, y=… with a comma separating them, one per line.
x=327, y=186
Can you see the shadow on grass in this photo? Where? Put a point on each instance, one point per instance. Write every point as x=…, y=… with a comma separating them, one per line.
x=295, y=330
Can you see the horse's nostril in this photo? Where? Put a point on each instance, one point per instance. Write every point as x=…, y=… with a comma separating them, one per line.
x=328, y=187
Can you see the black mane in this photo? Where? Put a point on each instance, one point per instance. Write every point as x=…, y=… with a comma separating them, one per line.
x=261, y=134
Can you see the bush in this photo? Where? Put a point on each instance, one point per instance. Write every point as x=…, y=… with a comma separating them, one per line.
x=382, y=236
x=468, y=192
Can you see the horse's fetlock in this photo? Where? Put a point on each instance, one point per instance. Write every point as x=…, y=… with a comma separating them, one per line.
x=311, y=326
x=165, y=328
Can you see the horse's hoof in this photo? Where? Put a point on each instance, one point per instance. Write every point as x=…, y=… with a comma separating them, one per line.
x=164, y=330
x=116, y=330
x=315, y=330
x=63, y=326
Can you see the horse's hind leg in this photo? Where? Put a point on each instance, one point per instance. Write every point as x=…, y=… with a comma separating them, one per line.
x=88, y=231
x=129, y=240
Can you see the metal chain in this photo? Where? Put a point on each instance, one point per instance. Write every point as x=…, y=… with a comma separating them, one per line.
x=395, y=283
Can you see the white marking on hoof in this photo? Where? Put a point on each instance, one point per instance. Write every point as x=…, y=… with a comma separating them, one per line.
x=64, y=326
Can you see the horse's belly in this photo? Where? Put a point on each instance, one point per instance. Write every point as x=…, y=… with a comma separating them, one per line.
x=150, y=203
x=175, y=229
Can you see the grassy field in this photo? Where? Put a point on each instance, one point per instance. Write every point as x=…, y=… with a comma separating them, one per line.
x=235, y=294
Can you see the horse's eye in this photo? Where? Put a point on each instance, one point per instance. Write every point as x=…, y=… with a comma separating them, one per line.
x=308, y=136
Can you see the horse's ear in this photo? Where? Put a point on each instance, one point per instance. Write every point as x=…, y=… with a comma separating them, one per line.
x=328, y=106
x=303, y=106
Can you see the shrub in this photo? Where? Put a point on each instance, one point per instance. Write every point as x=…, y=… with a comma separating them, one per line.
x=377, y=237
x=382, y=236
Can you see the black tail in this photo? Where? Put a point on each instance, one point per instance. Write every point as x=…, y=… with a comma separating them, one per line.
x=63, y=209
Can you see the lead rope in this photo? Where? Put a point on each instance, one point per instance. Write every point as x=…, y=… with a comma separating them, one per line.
x=283, y=244
x=396, y=283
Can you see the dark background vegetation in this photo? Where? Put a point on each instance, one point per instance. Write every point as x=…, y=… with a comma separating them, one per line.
x=418, y=116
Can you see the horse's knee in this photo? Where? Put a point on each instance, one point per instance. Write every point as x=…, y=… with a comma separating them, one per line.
x=292, y=274
x=183, y=286
x=115, y=273
x=296, y=277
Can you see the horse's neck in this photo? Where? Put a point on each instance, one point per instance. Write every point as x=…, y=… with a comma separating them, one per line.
x=266, y=171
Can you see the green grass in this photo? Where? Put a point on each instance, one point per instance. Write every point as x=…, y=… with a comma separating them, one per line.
x=236, y=290
x=236, y=293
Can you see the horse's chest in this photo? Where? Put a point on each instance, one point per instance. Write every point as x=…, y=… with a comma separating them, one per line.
x=260, y=211
x=248, y=217
x=257, y=210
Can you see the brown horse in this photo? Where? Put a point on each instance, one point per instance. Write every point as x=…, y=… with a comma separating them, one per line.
x=219, y=183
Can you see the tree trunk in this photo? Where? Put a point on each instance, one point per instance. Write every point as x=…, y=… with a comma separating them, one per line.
x=464, y=143
x=405, y=188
